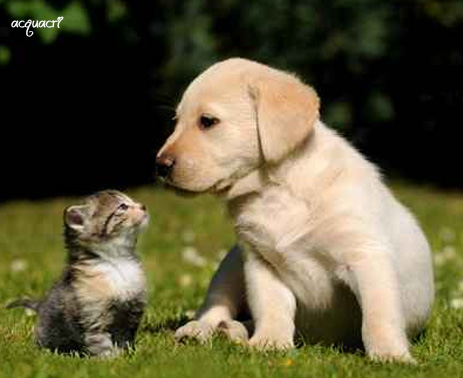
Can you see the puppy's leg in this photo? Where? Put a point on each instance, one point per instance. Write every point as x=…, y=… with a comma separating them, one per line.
x=272, y=304
x=224, y=299
x=383, y=324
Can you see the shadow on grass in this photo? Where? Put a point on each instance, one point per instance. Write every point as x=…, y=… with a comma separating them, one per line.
x=420, y=337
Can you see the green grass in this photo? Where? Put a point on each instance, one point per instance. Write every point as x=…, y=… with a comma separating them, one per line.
x=31, y=253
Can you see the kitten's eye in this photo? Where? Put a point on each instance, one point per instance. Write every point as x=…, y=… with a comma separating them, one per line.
x=123, y=207
x=207, y=121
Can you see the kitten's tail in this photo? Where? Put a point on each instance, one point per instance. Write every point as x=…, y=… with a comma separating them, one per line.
x=27, y=303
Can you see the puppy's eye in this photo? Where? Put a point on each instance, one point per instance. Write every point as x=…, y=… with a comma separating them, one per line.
x=207, y=121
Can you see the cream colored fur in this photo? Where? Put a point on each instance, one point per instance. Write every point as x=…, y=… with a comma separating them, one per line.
x=325, y=247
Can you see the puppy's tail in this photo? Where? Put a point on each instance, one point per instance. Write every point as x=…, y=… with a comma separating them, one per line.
x=27, y=303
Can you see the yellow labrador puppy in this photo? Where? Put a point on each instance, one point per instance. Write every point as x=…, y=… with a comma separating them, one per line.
x=327, y=251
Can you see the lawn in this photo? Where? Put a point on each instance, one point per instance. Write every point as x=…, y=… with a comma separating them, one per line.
x=180, y=251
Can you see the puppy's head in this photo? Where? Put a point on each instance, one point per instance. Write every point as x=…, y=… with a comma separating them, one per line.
x=233, y=118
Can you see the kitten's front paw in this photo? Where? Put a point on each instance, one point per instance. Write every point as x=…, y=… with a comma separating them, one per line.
x=100, y=345
x=109, y=354
x=271, y=341
x=233, y=330
x=196, y=330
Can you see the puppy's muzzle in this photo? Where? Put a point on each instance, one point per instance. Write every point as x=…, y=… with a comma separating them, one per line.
x=164, y=165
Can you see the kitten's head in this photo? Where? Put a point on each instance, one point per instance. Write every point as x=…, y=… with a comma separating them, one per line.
x=105, y=218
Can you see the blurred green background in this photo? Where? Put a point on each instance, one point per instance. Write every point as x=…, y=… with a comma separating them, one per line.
x=388, y=73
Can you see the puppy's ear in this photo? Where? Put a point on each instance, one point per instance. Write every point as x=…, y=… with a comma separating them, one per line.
x=286, y=110
x=74, y=217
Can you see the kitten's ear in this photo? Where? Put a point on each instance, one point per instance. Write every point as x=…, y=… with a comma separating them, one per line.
x=74, y=217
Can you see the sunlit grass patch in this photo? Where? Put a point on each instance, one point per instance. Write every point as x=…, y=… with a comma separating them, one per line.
x=180, y=250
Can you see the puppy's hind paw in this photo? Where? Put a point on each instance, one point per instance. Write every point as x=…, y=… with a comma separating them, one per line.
x=233, y=330
x=195, y=330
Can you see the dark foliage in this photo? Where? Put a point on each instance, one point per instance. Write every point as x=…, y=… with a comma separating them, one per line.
x=86, y=108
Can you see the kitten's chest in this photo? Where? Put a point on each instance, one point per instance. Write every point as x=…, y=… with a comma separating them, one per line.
x=126, y=278
x=118, y=280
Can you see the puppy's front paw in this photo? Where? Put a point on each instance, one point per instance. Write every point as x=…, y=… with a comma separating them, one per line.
x=271, y=341
x=387, y=344
x=384, y=355
x=233, y=330
x=195, y=330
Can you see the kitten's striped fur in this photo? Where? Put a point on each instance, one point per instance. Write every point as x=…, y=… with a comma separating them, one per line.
x=96, y=306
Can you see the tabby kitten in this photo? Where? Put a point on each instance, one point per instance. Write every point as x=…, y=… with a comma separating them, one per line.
x=97, y=305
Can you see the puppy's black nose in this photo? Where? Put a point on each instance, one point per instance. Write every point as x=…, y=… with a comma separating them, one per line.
x=164, y=165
